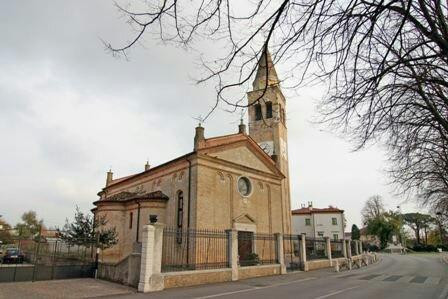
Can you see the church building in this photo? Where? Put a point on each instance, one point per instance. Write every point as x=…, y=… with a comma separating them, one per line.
x=238, y=181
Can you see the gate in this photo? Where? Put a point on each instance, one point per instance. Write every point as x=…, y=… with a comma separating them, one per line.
x=291, y=252
x=45, y=259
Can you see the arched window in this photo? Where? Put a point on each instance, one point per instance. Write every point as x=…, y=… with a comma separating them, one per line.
x=268, y=109
x=180, y=215
x=130, y=220
x=258, y=114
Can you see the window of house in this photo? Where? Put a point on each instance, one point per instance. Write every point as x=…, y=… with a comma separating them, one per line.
x=335, y=237
x=180, y=215
x=268, y=109
x=307, y=221
x=258, y=114
x=334, y=221
x=320, y=234
x=130, y=220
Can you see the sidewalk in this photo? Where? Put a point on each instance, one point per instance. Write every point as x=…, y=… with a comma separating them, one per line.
x=64, y=288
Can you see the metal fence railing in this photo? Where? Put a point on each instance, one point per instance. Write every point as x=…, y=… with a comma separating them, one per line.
x=291, y=251
x=257, y=249
x=337, y=248
x=191, y=249
x=315, y=249
x=353, y=247
x=43, y=257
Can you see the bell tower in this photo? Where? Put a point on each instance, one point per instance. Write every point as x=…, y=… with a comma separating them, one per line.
x=267, y=125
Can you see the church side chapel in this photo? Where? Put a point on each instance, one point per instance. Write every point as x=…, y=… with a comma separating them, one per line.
x=237, y=181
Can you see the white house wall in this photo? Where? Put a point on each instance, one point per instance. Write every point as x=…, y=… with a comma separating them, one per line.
x=320, y=222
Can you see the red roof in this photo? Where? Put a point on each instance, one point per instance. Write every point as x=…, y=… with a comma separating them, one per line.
x=303, y=211
x=205, y=144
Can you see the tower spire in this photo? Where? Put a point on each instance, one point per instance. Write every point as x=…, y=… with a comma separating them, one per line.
x=265, y=64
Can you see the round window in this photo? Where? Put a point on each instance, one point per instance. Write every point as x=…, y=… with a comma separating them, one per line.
x=244, y=186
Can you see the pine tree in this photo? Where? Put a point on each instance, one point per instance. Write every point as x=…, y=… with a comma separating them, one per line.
x=86, y=230
x=356, y=233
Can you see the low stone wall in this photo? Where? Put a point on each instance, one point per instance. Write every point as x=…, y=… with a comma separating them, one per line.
x=126, y=272
x=257, y=271
x=318, y=264
x=325, y=263
x=197, y=277
x=190, y=278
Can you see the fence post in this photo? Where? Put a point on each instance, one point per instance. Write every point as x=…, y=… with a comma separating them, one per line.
x=151, y=259
x=356, y=247
x=233, y=252
x=328, y=249
x=344, y=247
x=280, y=253
x=36, y=258
x=303, y=252
x=349, y=249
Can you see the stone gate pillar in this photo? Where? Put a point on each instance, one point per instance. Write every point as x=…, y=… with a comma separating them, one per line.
x=280, y=252
x=344, y=247
x=303, y=252
x=349, y=249
x=151, y=259
x=232, y=235
x=328, y=249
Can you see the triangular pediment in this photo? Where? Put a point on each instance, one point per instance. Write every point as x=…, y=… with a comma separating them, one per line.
x=244, y=218
x=245, y=153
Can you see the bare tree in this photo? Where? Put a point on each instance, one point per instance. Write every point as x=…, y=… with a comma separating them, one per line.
x=373, y=208
x=385, y=64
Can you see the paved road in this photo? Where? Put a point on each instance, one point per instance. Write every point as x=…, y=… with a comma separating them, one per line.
x=402, y=277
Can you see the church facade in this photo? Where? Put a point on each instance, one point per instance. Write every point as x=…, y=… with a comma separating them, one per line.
x=238, y=181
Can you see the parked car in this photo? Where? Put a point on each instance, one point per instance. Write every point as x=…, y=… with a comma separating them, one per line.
x=13, y=256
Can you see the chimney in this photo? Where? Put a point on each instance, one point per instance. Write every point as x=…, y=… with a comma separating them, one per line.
x=109, y=177
x=147, y=166
x=198, y=137
x=242, y=128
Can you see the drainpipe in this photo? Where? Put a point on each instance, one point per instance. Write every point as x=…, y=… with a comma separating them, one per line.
x=189, y=193
x=188, y=211
x=138, y=220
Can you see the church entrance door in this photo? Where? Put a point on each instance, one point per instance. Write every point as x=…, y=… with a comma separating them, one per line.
x=245, y=248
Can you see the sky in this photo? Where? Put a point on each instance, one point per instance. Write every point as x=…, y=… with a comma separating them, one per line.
x=69, y=111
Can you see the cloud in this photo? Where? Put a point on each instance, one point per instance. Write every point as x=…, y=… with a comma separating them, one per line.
x=69, y=111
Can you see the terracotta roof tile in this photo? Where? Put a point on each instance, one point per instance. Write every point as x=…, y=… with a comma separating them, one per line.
x=316, y=211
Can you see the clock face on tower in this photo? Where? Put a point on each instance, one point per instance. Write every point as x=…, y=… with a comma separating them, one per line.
x=267, y=147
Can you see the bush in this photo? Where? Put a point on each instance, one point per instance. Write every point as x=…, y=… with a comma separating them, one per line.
x=372, y=247
x=252, y=259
